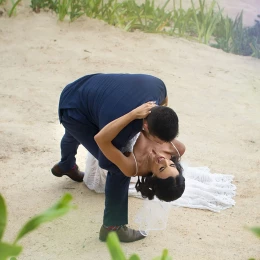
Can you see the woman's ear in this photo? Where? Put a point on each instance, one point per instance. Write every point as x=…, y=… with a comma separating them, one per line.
x=145, y=126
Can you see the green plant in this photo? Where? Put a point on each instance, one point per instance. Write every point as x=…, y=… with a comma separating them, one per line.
x=110, y=12
x=13, y=9
x=153, y=19
x=12, y=249
x=131, y=16
x=75, y=10
x=205, y=19
x=93, y=8
x=36, y=5
x=117, y=253
x=63, y=8
x=232, y=36
x=182, y=21
x=256, y=49
x=255, y=230
x=238, y=37
x=254, y=34
x=223, y=34
x=245, y=39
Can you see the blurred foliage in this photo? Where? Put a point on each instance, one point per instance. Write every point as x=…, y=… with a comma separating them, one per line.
x=232, y=36
x=117, y=253
x=60, y=208
x=12, y=250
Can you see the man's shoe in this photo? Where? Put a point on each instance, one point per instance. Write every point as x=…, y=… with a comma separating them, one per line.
x=75, y=174
x=124, y=234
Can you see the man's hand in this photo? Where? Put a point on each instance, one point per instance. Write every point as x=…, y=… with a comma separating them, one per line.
x=144, y=110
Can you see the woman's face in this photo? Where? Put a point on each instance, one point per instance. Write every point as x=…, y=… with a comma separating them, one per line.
x=162, y=167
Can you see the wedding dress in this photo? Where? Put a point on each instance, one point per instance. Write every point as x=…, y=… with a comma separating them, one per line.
x=203, y=190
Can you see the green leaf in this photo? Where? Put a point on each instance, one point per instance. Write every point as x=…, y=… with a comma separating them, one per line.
x=164, y=256
x=134, y=257
x=59, y=209
x=10, y=13
x=3, y=216
x=255, y=230
x=8, y=250
x=114, y=247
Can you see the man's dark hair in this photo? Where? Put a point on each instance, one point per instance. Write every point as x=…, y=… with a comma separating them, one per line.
x=168, y=189
x=163, y=123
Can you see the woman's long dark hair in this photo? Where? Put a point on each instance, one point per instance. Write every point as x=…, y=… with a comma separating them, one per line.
x=168, y=189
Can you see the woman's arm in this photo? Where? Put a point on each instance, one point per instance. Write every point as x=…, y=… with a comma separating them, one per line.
x=106, y=135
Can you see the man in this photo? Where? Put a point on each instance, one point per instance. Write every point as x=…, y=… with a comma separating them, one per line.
x=85, y=107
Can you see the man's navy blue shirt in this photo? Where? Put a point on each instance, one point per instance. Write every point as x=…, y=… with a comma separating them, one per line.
x=98, y=99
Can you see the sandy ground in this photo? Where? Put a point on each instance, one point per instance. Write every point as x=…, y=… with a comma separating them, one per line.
x=217, y=98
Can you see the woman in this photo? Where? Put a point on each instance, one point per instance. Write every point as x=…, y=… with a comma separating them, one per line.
x=155, y=162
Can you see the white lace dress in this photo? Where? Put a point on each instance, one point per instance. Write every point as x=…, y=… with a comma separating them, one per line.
x=203, y=190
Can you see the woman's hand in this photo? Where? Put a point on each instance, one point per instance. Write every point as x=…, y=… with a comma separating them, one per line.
x=144, y=110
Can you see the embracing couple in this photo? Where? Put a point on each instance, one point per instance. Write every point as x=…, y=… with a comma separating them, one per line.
x=124, y=122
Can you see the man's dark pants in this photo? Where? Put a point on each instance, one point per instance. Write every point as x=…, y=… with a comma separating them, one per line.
x=117, y=184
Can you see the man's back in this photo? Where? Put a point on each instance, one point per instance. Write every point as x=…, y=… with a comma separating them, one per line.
x=100, y=98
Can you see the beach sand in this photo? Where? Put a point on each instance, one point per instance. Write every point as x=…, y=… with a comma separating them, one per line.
x=215, y=94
